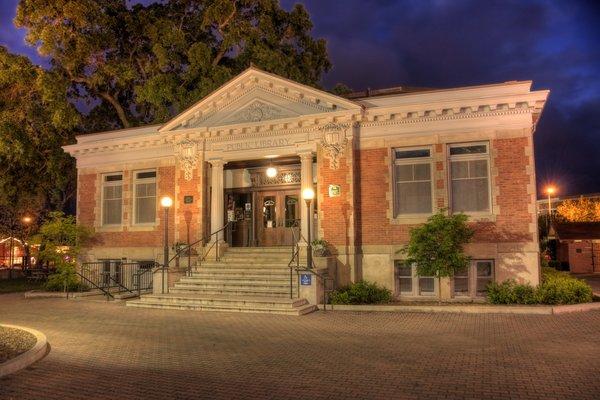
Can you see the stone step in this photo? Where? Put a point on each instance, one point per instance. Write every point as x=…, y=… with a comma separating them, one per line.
x=261, y=250
x=252, y=255
x=302, y=310
x=242, y=274
x=241, y=264
x=270, y=286
x=246, y=291
x=226, y=300
x=242, y=267
x=228, y=280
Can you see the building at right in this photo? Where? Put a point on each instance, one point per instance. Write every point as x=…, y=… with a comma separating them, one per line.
x=465, y=150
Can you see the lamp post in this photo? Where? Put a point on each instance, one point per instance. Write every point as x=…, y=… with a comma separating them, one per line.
x=166, y=202
x=550, y=190
x=308, y=195
x=27, y=223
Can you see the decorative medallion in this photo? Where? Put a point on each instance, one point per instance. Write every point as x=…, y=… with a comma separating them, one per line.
x=187, y=153
x=259, y=111
x=334, y=142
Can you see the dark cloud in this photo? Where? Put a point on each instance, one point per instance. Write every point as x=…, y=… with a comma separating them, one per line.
x=445, y=43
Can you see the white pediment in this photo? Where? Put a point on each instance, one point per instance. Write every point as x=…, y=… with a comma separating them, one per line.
x=255, y=96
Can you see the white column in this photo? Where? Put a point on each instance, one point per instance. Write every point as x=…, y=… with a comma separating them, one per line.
x=306, y=173
x=217, y=209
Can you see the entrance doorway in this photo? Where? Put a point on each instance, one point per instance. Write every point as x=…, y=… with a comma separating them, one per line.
x=277, y=217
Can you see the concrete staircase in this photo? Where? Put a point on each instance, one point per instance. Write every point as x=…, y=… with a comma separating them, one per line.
x=246, y=279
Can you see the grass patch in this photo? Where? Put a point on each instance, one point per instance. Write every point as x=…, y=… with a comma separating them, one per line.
x=19, y=285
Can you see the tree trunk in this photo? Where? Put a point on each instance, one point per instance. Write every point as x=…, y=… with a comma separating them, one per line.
x=439, y=290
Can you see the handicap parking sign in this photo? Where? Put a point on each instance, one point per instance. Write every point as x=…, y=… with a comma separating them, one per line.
x=305, y=279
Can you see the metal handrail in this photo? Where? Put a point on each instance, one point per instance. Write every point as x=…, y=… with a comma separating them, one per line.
x=203, y=240
x=312, y=268
x=106, y=292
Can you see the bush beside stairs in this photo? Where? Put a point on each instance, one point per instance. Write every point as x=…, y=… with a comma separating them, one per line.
x=246, y=279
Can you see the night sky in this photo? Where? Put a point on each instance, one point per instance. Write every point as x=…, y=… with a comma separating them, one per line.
x=446, y=43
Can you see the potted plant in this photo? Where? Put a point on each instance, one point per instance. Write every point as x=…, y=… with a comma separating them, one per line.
x=320, y=248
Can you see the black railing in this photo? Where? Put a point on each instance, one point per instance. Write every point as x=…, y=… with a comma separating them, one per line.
x=203, y=254
x=110, y=276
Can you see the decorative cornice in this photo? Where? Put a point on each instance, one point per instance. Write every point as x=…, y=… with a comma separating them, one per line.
x=413, y=117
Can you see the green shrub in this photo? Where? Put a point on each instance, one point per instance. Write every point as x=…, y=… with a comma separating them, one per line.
x=65, y=272
x=561, y=288
x=361, y=292
x=556, y=288
x=502, y=293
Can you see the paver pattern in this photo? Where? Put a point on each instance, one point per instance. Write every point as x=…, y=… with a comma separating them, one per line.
x=107, y=351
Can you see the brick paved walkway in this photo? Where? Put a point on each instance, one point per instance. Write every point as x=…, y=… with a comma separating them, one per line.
x=107, y=351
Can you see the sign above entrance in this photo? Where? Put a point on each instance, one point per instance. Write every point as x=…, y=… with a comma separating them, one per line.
x=258, y=144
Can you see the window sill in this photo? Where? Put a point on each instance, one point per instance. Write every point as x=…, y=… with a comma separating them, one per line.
x=481, y=217
x=110, y=228
x=410, y=219
x=143, y=227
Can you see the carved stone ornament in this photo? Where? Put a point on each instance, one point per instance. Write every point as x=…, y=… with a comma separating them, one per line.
x=258, y=111
x=187, y=154
x=334, y=142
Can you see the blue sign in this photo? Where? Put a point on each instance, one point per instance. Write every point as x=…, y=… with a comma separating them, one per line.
x=305, y=279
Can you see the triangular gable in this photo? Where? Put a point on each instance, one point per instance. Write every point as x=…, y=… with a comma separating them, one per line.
x=255, y=96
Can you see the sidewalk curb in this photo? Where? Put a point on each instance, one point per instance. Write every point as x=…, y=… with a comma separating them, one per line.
x=471, y=309
x=36, y=353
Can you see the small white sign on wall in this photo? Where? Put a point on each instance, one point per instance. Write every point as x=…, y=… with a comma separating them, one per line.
x=334, y=190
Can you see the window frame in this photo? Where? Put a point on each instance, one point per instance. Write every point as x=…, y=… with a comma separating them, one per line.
x=412, y=161
x=470, y=157
x=102, y=197
x=135, y=181
x=473, y=279
x=415, y=289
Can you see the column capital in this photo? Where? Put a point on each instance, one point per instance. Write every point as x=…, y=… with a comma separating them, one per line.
x=217, y=162
x=306, y=155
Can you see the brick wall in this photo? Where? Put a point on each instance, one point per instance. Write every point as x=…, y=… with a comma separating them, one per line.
x=88, y=209
x=584, y=257
x=511, y=164
x=336, y=214
x=191, y=213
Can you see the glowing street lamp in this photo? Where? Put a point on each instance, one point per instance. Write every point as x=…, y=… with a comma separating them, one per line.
x=166, y=202
x=308, y=195
x=26, y=220
x=550, y=190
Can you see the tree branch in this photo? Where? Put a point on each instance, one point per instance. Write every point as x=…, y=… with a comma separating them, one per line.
x=117, y=106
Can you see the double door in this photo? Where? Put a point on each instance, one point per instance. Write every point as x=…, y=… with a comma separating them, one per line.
x=277, y=217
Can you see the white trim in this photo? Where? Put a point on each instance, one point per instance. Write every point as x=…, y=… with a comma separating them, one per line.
x=135, y=180
x=104, y=184
x=412, y=161
x=471, y=157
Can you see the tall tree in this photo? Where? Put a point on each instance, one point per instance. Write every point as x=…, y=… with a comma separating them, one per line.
x=146, y=63
x=35, y=121
x=580, y=210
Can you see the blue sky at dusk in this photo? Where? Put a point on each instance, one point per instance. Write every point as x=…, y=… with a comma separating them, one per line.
x=446, y=43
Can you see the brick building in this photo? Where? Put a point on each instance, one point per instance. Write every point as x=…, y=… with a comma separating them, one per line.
x=379, y=162
x=578, y=245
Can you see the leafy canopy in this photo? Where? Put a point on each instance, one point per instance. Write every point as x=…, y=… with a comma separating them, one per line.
x=145, y=64
x=36, y=119
x=580, y=210
x=436, y=247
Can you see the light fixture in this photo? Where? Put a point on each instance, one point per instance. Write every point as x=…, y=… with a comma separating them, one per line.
x=271, y=172
x=166, y=202
x=308, y=194
x=27, y=219
x=550, y=190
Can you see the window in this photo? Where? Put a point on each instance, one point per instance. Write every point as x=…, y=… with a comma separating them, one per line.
x=409, y=284
x=112, y=199
x=473, y=280
x=412, y=181
x=469, y=175
x=145, y=197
